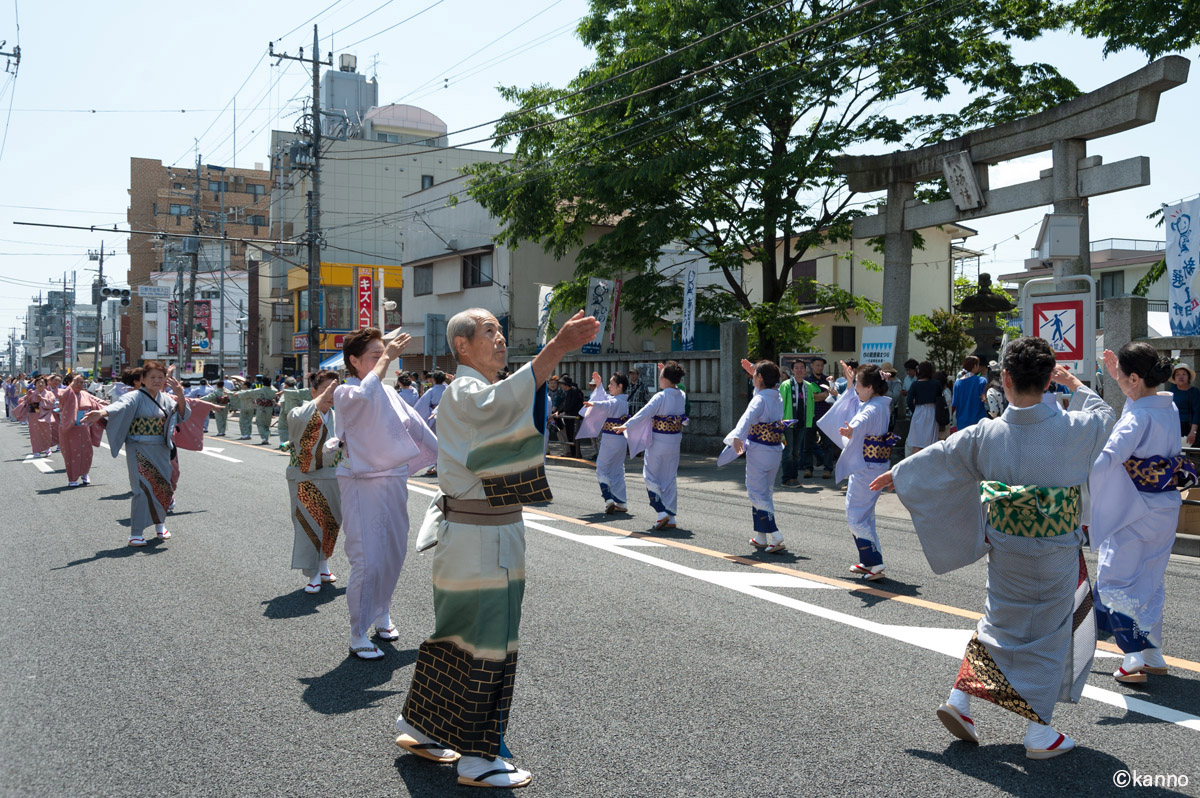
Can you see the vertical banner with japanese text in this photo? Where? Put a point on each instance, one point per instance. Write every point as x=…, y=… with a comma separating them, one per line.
x=599, y=296
x=687, y=332
x=68, y=342
x=545, y=292
x=366, y=310
x=612, y=336
x=1184, y=305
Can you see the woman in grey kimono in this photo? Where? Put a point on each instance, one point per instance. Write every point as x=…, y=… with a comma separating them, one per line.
x=312, y=482
x=143, y=421
x=1010, y=488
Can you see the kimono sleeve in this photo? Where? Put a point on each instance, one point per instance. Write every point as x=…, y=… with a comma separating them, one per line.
x=639, y=428
x=939, y=486
x=595, y=416
x=422, y=436
x=68, y=405
x=742, y=430
x=1115, y=500
x=119, y=418
x=839, y=415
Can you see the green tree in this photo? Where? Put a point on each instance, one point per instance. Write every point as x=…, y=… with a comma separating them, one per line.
x=696, y=124
x=945, y=336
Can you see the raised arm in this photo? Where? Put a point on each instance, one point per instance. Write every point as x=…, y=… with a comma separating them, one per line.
x=576, y=332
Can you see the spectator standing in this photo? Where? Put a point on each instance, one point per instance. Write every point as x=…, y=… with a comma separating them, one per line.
x=639, y=394
x=796, y=394
x=815, y=440
x=1187, y=398
x=569, y=411
x=968, y=396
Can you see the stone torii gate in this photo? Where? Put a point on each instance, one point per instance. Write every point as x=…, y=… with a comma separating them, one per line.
x=963, y=162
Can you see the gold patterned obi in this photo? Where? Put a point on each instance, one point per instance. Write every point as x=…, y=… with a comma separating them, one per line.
x=148, y=427
x=1158, y=474
x=611, y=423
x=668, y=425
x=1030, y=511
x=768, y=432
x=34, y=406
x=878, y=448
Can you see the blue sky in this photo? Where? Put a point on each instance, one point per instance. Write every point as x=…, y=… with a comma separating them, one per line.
x=136, y=64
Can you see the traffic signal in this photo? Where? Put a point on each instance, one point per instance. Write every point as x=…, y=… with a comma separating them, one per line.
x=121, y=294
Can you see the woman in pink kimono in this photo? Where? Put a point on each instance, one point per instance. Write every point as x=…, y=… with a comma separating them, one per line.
x=382, y=440
x=39, y=405
x=77, y=440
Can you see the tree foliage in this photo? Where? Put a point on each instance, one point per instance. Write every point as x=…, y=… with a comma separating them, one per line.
x=945, y=336
x=669, y=136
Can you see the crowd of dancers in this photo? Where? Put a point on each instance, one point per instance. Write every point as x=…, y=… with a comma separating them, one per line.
x=1014, y=488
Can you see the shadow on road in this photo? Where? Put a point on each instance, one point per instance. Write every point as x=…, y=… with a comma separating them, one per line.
x=1088, y=771
x=888, y=584
x=298, y=604
x=118, y=497
x=424, y=778
x=351, y=686
x=152, y=547
x=679, y=533
x=56, y=491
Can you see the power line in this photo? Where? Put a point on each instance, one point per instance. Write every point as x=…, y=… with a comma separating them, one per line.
x=390, y=27
x=232, y=97
x=481, y=49
x=360, y=19
x=305, y=22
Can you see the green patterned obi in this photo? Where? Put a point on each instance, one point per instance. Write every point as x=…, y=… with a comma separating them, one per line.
x=148, y=427
x=1030, y=511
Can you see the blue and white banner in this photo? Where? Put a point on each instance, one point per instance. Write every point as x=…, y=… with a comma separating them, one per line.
x=687, y=333
x=543, y=304
x=1182, y=245
x=878, y=345
x=599, y=302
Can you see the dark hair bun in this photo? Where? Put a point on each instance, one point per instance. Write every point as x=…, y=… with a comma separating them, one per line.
x=1142, y=359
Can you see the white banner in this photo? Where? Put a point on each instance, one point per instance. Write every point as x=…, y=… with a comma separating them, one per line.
x=543, y=304
x=878, y=345
x=1181, y=253
x=687, y=332
x=599, y=302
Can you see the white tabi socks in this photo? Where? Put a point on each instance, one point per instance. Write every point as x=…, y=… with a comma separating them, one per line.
x=960, y=701
x=472, y=767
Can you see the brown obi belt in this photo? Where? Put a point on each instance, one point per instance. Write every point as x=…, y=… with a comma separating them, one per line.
x=668, y=425
x=611, y=424
x=148, y=427
x=878, y=448
x=35, y=406
x=477, y=512
x=1158, y=474
x=769, y=432
x=264, y=402
x=524, y=487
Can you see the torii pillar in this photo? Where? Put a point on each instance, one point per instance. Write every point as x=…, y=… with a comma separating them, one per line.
x=963, y=164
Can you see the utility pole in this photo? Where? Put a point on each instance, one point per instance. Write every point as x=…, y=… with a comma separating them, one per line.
x=314, y=200
x=221, y=324
x=187, y=319
x=94, y=255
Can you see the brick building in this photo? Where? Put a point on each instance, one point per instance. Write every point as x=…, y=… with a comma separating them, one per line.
x=162, y=198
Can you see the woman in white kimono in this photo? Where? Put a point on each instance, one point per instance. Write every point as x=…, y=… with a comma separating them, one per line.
x=316, y=501
x=858, y=422
x=603, y=414
x=656, y=429
x=1010, y=488
x=382, y=440
x=1135, y=510
x=143, y=421
x=759, y=435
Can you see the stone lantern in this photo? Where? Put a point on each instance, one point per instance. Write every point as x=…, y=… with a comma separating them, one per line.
x=983, y=306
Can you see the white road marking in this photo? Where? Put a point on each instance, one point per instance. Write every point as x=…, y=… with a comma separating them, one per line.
x=41, y=463
x=213, y=453
x=950, y=642
x=106, y=446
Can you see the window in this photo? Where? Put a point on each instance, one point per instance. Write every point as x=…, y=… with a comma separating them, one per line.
x=218, y=185
x=256, y=189
x=210, y=294
x=1112, y=284
x=392, y=317
x=258, y=220
x=181, y=210
x=423, y=280
x=150, y=306
x=843, y=339
x=391, y=138
x=477, y=270
x=178, y=186
x=805, y=272
x=426, y=182
x=340, y=312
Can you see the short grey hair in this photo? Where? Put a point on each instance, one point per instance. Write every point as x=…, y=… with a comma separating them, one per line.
x=463, y=325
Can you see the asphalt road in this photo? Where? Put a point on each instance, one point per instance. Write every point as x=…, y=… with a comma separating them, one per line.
x=662, y=665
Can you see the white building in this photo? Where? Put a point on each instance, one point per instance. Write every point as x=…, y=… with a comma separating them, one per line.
x=159, y=332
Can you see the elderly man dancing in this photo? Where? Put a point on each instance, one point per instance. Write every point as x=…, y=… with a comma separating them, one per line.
x=491, y=461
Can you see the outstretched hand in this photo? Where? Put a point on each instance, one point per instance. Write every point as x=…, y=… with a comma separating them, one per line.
x=325, y=398
x=1110, y=363
x=883, y=482
x=577, y=331
x=748, y=367
x=847, y=372
x=397, y=345
x=1063, y=376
